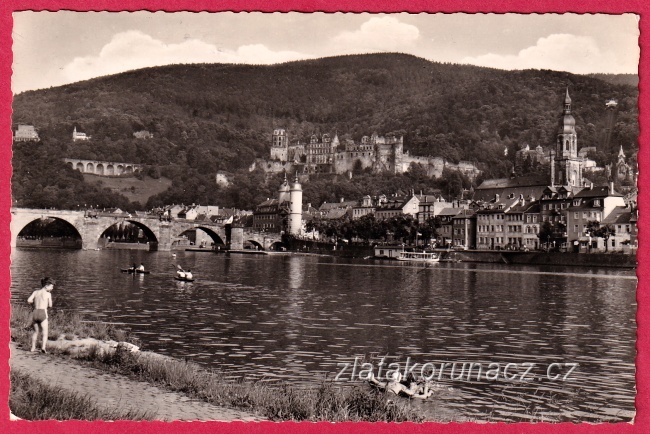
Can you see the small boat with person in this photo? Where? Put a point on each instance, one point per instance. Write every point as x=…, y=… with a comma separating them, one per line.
x=427, y=257
x=183, y=276
x=136, y=271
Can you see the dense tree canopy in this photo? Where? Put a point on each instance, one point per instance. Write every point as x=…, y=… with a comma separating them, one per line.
x=206, y=118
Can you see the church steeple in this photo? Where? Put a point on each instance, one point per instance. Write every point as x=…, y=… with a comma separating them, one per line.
x=568, y=169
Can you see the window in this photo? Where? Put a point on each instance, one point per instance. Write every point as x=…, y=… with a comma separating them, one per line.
x=575, y=228
x=596, y=202
x=585, y=214
x=544, y=207
x=576, y=215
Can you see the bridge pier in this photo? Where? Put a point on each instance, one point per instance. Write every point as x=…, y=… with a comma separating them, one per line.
x=165, y=237
x=237, y=238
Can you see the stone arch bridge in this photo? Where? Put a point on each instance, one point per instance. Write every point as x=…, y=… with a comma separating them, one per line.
x=161, y=233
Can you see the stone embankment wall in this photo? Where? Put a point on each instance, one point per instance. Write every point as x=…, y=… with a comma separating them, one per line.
x=553, y=258
x=617, y=260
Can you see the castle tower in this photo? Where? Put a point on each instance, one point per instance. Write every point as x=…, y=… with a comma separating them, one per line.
x=568, y=167
x=295, y=209
x=280, y=145
x=284, y=191
x=74, y=133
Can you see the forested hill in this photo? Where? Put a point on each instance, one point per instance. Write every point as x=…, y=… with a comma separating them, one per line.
x=211, y=117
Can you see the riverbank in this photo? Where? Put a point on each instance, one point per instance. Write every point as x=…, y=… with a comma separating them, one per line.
x=615, y=260
x=179, y=390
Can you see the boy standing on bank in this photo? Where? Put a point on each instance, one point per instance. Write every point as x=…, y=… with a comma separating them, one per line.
x=42, y=300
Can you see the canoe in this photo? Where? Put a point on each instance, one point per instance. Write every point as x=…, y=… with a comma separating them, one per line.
x=182, y=279
x=128, y=270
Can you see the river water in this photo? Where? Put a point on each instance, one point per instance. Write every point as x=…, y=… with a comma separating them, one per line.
x=301, y=318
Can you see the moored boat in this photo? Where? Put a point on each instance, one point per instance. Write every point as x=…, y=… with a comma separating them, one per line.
x=429, y=257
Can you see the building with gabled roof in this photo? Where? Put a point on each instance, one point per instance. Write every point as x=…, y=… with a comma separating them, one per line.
x=398, y=205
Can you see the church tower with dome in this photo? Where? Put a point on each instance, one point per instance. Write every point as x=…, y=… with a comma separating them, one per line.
x=567, y=168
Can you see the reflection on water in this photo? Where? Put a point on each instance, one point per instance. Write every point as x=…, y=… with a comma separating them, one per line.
x=297, y=317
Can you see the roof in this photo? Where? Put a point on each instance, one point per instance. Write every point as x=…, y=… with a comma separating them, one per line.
x=602, y=191
x=430, y=198
x=268, y=202
x=523, y=181
x=619, y=215
x=334, y=205
x=528, y=186
x=334, y=214
x=465, y=213
x=533, y=208
x=449, y=211
x=393, y=203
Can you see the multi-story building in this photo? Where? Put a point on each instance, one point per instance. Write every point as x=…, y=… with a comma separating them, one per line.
x=397, y=205
x=591, y=204
x=464, y=228
x=531, y=226
x=446, y=230
x=26, y=133
x=367, y=206
x=491, y=226
x=620, y=221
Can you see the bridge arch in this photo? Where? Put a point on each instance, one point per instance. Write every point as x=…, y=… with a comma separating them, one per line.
x=80, y=167
x=90, y=168
x=216, y=237
x=255, y=243
x=110, y=169
x=21, y=222
x=149, y=233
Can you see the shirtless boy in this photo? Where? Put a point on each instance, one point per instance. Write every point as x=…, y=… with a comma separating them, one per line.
x=42, y=299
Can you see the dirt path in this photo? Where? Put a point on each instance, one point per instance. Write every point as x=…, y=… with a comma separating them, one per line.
x=113, y=391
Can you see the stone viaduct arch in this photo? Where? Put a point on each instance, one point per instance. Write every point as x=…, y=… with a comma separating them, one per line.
x=103, y=168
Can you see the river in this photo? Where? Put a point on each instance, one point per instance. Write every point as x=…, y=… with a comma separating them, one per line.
x=301, y=318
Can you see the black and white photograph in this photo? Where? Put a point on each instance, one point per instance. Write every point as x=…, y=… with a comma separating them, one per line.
x=365, y=217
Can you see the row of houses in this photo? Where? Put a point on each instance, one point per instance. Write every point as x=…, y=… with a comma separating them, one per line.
x=512, y=219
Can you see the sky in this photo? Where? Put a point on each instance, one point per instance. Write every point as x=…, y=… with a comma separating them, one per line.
x=55, y=48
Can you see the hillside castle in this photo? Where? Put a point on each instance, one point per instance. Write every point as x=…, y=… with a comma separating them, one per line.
x=325, y=154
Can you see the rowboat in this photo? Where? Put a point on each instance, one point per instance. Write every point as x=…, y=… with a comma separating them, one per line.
x=428, y=257
x=130, y=270
x=183, y=279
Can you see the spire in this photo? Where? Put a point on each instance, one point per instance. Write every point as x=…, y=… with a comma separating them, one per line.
x=567, y=102
x=567, y=98
x=621, y=154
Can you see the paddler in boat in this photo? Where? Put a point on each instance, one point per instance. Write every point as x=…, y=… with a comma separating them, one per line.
x=133, y=267
x=394, y=386
x=180, y=273
x=188, y=275
x=141, y=267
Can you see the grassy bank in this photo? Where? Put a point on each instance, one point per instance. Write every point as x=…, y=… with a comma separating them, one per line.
x=327, y=402
x=70, y=325
x=32, y=400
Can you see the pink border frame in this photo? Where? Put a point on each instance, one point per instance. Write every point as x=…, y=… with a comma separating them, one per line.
x=640, y=7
